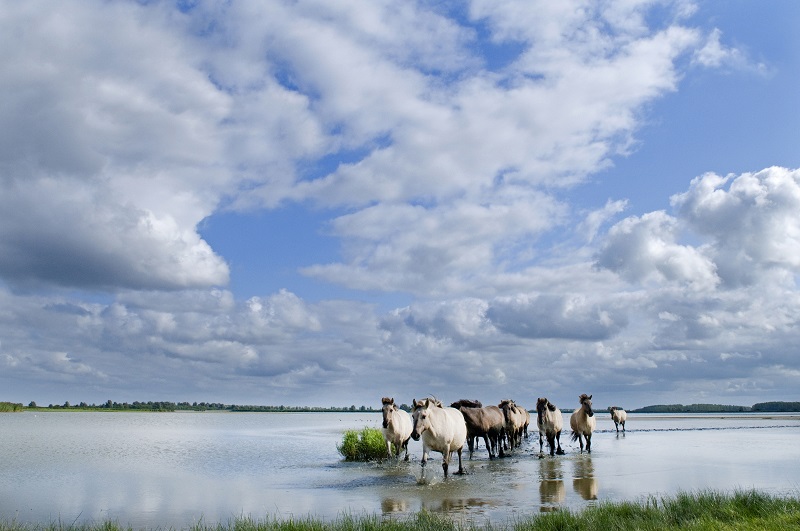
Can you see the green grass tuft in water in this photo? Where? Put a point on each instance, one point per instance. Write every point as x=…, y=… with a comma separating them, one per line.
x=366, y=445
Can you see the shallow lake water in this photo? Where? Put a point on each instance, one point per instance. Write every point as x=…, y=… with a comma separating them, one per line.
x=174, y=469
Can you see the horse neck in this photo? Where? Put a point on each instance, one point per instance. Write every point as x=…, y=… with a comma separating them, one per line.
x=437, y=419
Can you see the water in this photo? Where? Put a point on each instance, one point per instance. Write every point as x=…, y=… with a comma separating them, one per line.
x=175, y=469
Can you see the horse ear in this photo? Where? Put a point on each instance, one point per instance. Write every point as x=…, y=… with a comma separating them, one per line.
x=551, y=407
x=590, y=397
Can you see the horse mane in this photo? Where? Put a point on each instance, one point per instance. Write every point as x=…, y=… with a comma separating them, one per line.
x=584, y=397
x=466, y=403
x=545, y=403
x=426, y=402
x=386, y=400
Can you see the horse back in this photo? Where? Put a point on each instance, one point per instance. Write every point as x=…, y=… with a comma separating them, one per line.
x=457, y=427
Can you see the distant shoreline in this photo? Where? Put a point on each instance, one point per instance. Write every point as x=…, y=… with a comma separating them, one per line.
x=759, y=408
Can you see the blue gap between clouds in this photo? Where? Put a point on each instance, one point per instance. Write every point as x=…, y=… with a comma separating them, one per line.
x=266, y=249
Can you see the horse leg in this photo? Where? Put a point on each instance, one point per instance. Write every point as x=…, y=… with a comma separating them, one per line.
x=589, y=443
x=541, y=442
x=486, y=442
x=559, y=450
x=460, y=466
x=388, y=449
x=424, y=455
x=623, y=426
x=405, y=445
x=445, y=462
x=551, y=441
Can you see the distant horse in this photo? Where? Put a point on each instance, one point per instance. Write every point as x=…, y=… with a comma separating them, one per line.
x=487, y=422
x=442, y=429
x=583, y=422
x=396, y=427
x=618, y=415
x=515, y=422
x=550, y=423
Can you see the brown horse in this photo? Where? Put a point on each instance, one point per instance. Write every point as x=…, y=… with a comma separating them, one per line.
x=487, y=422
x=550, y=423
x=516, y=418
x=583, y=422
x=619, y=416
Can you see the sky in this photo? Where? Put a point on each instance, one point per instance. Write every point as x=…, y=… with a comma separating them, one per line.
x=323, y=203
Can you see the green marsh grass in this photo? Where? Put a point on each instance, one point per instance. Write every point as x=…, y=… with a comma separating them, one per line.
x=703, y=511
x=365, y=445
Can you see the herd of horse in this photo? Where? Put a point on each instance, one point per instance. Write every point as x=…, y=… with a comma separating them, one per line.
x=446, y=430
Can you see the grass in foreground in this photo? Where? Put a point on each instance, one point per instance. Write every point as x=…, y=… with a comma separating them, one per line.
x=743, y=510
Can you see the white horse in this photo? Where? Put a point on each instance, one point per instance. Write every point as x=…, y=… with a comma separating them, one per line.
x=550, y=423
x=583, y=422
x=442, y=430
x=618, y=415
x=396, y=427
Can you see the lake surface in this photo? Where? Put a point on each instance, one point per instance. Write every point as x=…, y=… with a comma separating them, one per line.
x=174, y=469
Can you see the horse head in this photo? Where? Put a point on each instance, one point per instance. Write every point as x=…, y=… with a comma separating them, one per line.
x=541, y=405
x=508, y=407
x=586, y=404
x=419, y=416
x=389, y=407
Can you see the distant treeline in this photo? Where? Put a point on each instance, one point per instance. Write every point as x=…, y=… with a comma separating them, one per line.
x=762, y=407
x=766, y=407
x=187, y=406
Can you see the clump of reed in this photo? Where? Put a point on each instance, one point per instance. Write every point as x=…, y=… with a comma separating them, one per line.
x=6, y=407
x=365, y=445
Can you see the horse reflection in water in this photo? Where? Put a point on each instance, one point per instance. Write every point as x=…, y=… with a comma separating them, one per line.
x=583, y=480
x=394, y=505
x=552, y=491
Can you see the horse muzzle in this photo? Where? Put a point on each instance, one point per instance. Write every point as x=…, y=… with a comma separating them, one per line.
x=415, y=435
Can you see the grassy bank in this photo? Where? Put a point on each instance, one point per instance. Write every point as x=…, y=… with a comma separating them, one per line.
x=744, y=510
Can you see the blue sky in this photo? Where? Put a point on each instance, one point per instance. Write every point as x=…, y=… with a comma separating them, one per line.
x=320, y=203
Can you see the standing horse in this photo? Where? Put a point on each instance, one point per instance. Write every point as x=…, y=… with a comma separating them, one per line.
x=396, y=427
x=487, y=422
x=583, y=422
x=618, y=415
x=442, y=429
x=515, y=422
x=550, y=423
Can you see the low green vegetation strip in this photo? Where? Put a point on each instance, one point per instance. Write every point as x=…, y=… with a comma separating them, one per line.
x=743, y=510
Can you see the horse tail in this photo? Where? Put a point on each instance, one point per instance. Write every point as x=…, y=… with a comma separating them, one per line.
x=574, y=435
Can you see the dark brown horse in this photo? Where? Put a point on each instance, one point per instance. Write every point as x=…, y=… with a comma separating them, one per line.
x=487, y=422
